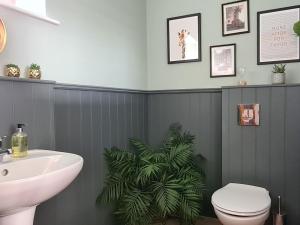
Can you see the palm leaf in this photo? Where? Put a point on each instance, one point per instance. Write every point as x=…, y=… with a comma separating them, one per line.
x=190, y=206
x=180, y=156
x=166, y=195
x=115, y=187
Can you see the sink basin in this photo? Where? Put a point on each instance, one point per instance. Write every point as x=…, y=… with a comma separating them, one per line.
x=27, y=182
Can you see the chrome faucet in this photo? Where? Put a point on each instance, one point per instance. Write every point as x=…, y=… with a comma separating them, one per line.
x=3, y=151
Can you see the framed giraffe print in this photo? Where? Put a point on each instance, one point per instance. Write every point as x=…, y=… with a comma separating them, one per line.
x=184, y=39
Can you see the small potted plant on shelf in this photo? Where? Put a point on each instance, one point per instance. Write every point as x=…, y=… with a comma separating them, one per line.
x=279, y=74
x=297, y=28
x=12, y=70
x=34, y=72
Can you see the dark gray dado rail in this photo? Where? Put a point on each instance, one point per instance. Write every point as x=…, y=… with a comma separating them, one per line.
x=86, y=119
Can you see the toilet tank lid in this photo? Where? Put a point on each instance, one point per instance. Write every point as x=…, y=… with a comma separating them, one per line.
x=241, y=198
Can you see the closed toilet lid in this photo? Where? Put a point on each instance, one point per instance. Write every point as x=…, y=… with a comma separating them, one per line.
x=240, y=199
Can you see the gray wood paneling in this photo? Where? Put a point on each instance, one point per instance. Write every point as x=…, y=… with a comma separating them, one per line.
x=87, y=122
x=268, y=155
x=30, y=103
x=198, y=113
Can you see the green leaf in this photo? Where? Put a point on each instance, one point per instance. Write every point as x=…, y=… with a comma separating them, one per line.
x=297, y=28
x=136, y=208
x=114, y=189
x=180, y=156
x=167, y=196
x=190, y=205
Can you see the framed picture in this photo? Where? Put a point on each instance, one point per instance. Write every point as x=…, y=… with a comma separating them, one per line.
x=2, y=36
x=223, y=61
x=249, y=114
x=184, y=39
x=277, y=42
x=236, y=18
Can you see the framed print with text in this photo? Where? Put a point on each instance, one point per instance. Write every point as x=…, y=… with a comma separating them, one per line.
x=277, y=42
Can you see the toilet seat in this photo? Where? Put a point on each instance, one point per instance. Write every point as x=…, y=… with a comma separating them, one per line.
x=242, y=200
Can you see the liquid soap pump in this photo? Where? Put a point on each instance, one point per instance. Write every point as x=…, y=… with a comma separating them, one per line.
x=19, y=142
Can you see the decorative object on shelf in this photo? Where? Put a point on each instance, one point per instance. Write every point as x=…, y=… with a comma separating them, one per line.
x=3, y=36
x=249, y=114
x=296, y=28
x=154, y=185
x=12, y=70
x=184, y=39
x=223, y=61
x=278, y=74
x=242, y=78
x=34, y=72
x=277, y=42
x=236, y=18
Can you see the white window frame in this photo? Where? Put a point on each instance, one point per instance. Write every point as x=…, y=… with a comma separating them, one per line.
x=29, y=13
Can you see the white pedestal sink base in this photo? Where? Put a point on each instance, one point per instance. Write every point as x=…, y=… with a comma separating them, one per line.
x=24, y=217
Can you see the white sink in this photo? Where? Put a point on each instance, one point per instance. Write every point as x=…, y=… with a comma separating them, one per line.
x=27, y=182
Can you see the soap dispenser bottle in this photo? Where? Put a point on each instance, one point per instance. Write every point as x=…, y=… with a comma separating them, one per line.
x=19, y=143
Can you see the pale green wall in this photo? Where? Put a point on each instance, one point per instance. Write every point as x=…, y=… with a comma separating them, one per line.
x=197, y=75
x=99, y=42
x=104, y=43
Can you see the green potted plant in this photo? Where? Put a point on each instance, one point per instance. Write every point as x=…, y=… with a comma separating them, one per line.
x=151, y=186
x=279, y=74
x=12, y=70
x=297, y=28
x=34, y=71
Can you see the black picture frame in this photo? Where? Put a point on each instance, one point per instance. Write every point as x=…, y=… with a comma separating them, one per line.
x=259, y=62
x=199, y=58
x=248, y=18
x=211, y=64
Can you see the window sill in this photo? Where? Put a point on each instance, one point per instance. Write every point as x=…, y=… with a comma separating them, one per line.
x=34, y=15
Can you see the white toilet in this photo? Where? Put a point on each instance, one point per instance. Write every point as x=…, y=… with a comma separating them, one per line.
x=239, y=204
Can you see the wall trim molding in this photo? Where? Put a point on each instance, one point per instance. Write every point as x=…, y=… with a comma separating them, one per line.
x=26, y=80
x=262, y=86
x=65, y=86
x=124, y=90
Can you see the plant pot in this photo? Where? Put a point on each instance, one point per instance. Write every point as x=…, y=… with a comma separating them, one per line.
x=12, y=72
x=34, y=74
x=278, y=78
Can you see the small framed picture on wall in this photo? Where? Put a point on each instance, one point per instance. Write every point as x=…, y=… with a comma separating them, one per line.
x=236, y=18
x=249, y=114
x=223, y=61
x=276, y=41
x=184, y=39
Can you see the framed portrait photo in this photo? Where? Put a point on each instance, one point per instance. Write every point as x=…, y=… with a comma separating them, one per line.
x=236, y=18
x=249, y=114
x=184, y=39
x=276, y=41
x=223, y=61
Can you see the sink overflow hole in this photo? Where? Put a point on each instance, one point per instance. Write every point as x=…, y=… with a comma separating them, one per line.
x=4, y=172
